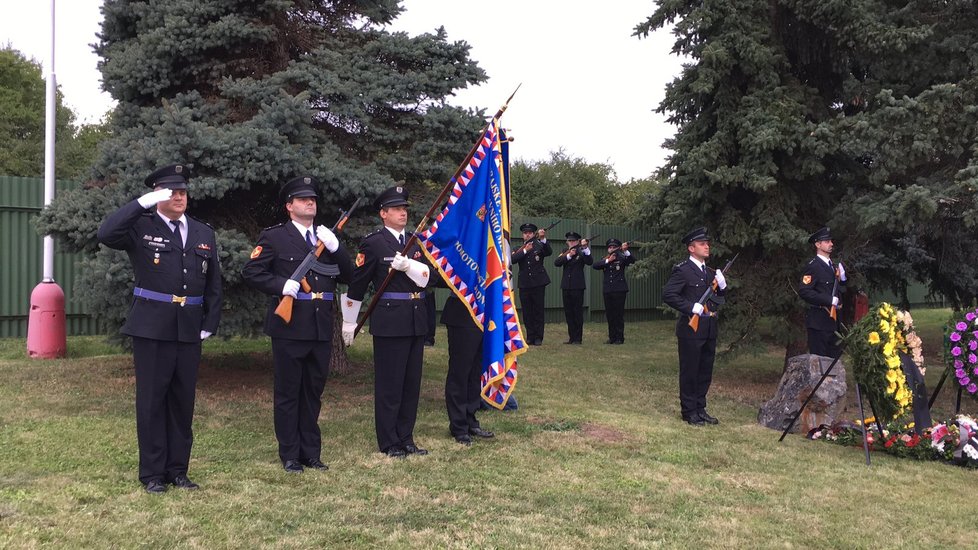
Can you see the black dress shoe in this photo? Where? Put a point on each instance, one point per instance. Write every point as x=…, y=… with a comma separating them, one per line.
x=708, y=419
x=184, y=482
x=293, y=466
x=479, y=432
x=155, y=487
x=695, y=420
x=415, y=450
x=429, y=343
x=313, y=463
x=464, y=439
x=395, y=452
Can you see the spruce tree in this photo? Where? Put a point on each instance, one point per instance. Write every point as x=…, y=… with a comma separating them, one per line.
x=794, y=114
x=251, y=94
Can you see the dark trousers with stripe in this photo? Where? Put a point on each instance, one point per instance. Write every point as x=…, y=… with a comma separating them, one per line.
x=696, y=357
x=614, y=305
x=397, y=388
x=533, y=312
x=301, y=368
x=462, y=385
x=574, y=313
x=166, y=382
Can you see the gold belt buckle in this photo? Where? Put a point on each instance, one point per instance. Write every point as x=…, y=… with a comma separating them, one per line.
x=182, y=300
x=415, y=295
x=316, y=296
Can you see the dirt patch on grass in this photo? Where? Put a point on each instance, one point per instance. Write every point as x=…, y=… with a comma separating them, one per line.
x=604, y=434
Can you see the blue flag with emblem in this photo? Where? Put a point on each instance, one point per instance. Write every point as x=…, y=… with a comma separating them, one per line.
x=468, y=245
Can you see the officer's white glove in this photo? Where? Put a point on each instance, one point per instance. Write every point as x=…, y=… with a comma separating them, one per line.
x=150, y=199
x=586, y=250
x=204, y=335
x=328, y=238
x=835, y=300
x=721, y=280
x=418, y=272
x=697, y=308
x=291, y=288
x=400, y=262
x=842, y=273
x=351, y=310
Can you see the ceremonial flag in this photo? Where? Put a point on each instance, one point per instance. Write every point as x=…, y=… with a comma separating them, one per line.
x=467, y=243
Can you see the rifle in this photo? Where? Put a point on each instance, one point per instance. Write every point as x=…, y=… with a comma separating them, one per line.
x=548, y=228
x=580, y=245
x=694, y=320
x=835, y=288
x=311, y=262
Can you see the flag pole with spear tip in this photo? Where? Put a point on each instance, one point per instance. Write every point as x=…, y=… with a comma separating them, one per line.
x=431, y=211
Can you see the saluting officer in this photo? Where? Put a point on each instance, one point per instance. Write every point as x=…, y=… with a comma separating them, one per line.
x=302, y=347
x=398, y=324
x=816, y=289
x=572, y=285
x=533, y=280
x=615, y=287
x=176, y=305
x=697, y=349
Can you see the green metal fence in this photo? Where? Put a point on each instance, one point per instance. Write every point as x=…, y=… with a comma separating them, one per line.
x=21, y=257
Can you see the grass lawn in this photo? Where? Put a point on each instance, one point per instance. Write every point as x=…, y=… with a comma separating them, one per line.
x=596, y=457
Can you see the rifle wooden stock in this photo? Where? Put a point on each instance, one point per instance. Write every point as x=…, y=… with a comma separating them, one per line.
x=284, y=309
x=694, y=322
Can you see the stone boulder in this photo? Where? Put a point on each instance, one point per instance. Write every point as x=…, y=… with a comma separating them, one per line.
x=797, y=382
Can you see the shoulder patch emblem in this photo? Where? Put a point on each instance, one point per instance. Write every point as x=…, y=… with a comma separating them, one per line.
x=806, y=280
x=359, y=261
x=256, y=252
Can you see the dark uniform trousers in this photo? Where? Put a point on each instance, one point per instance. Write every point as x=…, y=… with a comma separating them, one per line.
x=398, y=326
x=532, y=283
x=816, y=290
x=572, y=287
x=697, y=350
x=615, y=290
x=463, y=386
x=301, y=349
x=166, y=335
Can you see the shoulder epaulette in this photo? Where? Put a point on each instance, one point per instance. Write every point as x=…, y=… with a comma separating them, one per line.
x=274, y=226
x=374, y=234
x=198, y=220
x=682, y=263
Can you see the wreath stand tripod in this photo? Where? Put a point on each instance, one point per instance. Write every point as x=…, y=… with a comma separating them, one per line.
x=859, y=399
x=937, y=391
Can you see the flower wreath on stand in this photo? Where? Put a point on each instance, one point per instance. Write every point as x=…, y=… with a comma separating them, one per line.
x=874, y=344
x=961, y=351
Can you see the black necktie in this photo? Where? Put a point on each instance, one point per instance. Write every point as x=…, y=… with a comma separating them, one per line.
x=309, y=240
x=703, y=267
x=176, y=233
x=400, y=239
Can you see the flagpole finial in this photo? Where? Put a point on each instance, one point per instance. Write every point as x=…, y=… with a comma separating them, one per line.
x=506, y=105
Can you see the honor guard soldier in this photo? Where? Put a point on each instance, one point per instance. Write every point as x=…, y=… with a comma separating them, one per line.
x=697, y=348
x=822, y=286
x=302, y=346
x=398, y=324
x=463, y=386
x=615, y=287
x=533, y=280
x=176, y=305
x=572, y=285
